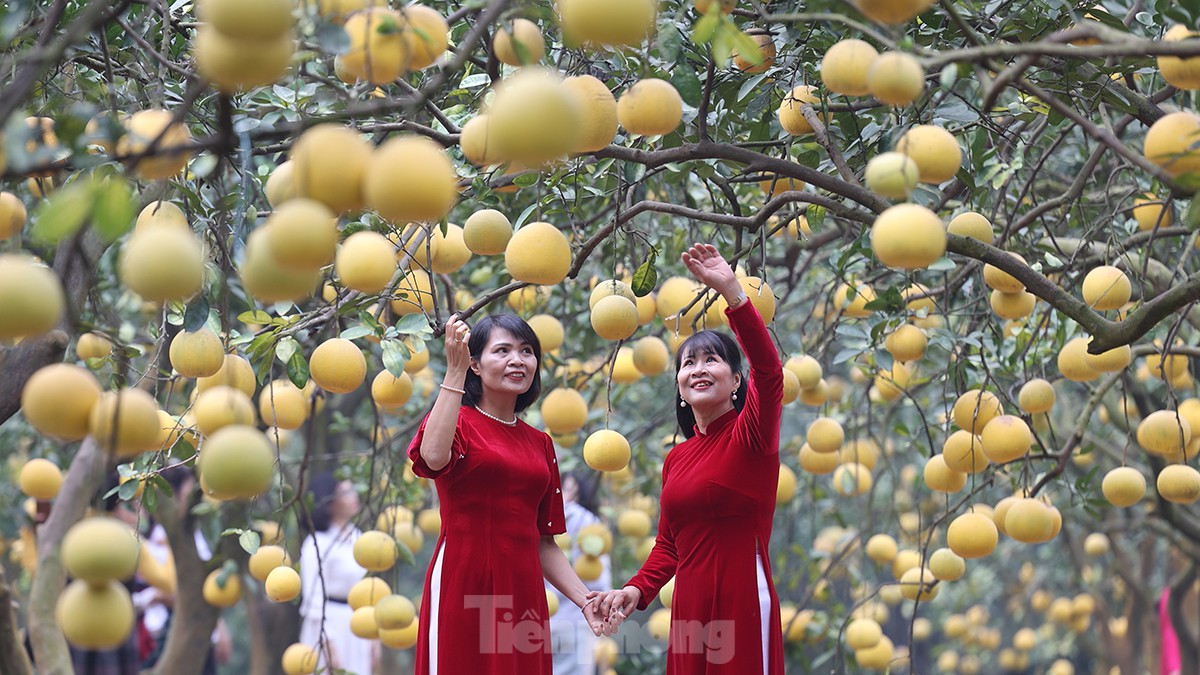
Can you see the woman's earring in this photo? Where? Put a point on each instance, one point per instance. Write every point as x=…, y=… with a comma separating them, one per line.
x=735, y=395
x=682, y=403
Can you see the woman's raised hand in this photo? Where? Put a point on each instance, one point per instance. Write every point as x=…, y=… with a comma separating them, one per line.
x=706, y=264
x=458, y=354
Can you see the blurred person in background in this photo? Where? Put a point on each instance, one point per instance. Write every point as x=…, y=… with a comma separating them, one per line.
x=572, y=638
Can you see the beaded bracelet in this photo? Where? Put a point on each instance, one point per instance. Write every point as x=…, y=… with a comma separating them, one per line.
x=449, y=388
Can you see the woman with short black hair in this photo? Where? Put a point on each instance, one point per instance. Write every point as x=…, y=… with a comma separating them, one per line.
x=484, y=608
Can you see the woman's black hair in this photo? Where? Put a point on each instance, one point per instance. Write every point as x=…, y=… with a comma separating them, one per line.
x=481, y=333
x=589, y=488
x=322, y=487
x=708, y=342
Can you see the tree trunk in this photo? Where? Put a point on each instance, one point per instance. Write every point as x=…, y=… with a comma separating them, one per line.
x=84, y=477
x=273, y=627
x=13, y=659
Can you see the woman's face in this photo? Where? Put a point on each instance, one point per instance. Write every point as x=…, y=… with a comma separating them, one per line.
x=570, y=488
x=506, y=365
x=705, y=380
x=345, y=501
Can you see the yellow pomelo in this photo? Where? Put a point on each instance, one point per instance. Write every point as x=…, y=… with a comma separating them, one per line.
x=1036, y=396
x=299, y=659
x=538, y=253
x=825, y=435
x=1164, y=432
x=610, y=287
x=413, y=293
x=330, y=165
x=818, y=463
x=197, y=354
x=222, y=589
x=147, y=126
x=807, y=370
x=851, y=479
x=477, y=142
x=281, y=184
x=935, y=150
x=379, y=51
x=267, y=558
x=402, y=638
x=896, y=78
x=624, y=371
x=452, y=252
x=863, y=633
x=1181, y=73
x=1006, y=438
x=1002, y=281
x=548, y=329
x=906, y=343
x=282, y=584
x=1096, y=544
x=791, y=115
x=564, y=411
x=389, y=391
x=1071, y=361
x=765, y=59
x=369, y=591
x=651, y=107
x=880, y=657
x=234, y=64
x=855, y=307
x=220, y=407
x=1179, y=483
x=1012, y=306
x=651, y=356
x=40, y=479
x=375, y=551
x=393, y=612
x=919, y=583
x=892, y=11
x=12, y=215
x=892, y=174
x=940, y=477
x=946, y=565
x=410, y=179
x=534, y=119
x=972, y=535
x=366, y=262
x=634, y=523
x=163, y=264
x=963, y=451
x=268, y=281
x=236, y=372
x=774, y=185
x=58, y=399
x=237, y=462
x=92, y=346
x=262, y=19
x=607, y=22
x=785, y=489
x=125, y=423
x=614, y=318
x=791, y=387
x=1109, y=361
x=1106, y=287
x=338, y=366
x=760, y=295
x=1173, y=142
x=1150, y=212
x=518, y=43
x=882, y=548
x=844, y=67
x=606, y=450
x=429, y=521
x=487, y=232
x=426, y=35
x=1029, y=521
x=973, y=225
x=904, y=561
x=302, y=234
x=95, y=616
x=284, y=405
x=975, y=409
x=100, y=549
x=31, y=297
x=908, y=236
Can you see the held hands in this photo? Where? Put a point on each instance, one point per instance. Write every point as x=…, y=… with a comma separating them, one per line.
x=606, y=611
x=706, y=264
x=458, y=354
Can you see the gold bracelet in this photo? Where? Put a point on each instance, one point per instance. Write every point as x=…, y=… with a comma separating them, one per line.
x=460, y=392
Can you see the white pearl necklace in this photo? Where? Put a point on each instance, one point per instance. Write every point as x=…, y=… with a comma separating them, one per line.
x=506, y=423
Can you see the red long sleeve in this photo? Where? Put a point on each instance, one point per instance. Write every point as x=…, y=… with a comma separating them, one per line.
x=660, y=564
x=758, y=423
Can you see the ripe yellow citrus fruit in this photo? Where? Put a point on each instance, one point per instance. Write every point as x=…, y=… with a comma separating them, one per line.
x=284, y=405
x=906, y=343
x=100, y=549
x=31, y=297
x=299, y=659
x=1181, y=73
x=452, y=254
x=940, y=477
x=892, y=11
x=426, y=35
x=908, y=236
x=338, y=366
x=40, y=479
x=1006, y=438
x=651, y=107
x=281, y=184
x=222, y=589
x=614, y=318
x=389, y=391
x=1150, y=212
x=393, y=612
x=95, y=616
x=267, y=558
x=538, y=253
x=935, y=150
x=125, y=423
x=375, y=551
x=92, y=346
x=147, y=126
x=972, y=535
x=58, y=399
x=606, y=450
x=534, y=119
x=844, y=67
x=851, y=479
x=1106, y=287
x=478, y=143
x=1164, y=432
x=330, y=164
x=946, y=565
x=197, y=354
x=366, y=262
x=564, y=411
x=235, y=372
x=237, y=462
x=855, y=307
x=549, y=330
x=607, y=22
x=892, y=175
x=651, y=356
x=264, y=19
x=379, y=51
x=1109, y=361
x=302, y=234
x=1173, y=142
x=410, y=179
x=234, y=64
x=634, y=523
x=220, y=407
x=963, y=451
x=1029, y=521
x=368, y=591
x=825, y=435
x=791, y=115
x=1179, y=483
x=882, y=548
x=975, y=409
x=973, y=225
x=519, y=43
x=1072, y=363
x=268, y=281
x=766, y=55
x=282, y=584
x=403, y=638
x=487, y=232
x=12, y=215
x=919, y=583
x=895, y=78
x=1036, y=396
x=163, y=264
x=414, y=293
x=863, y=633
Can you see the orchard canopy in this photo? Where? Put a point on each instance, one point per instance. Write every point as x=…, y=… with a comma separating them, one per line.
x=234, y=229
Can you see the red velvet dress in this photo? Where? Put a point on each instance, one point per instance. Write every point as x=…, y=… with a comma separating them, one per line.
x=717, y=506
x=499, y=494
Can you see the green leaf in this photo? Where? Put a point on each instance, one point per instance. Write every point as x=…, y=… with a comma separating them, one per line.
x=256, y=316
x=196, y=314
x=746, y=47
x=113, y=211
x=706, y=26
x=262, y=369
x=250, y=541
x=816, y=217
x=687, y=82
x=332, y=38
x=286, y=348
x=526, y=179
x=395, y=354
x=297, y=370
x=356, y=332
x=63, y=213
x=128, y=490
x=645, y=278
x=412, y=323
